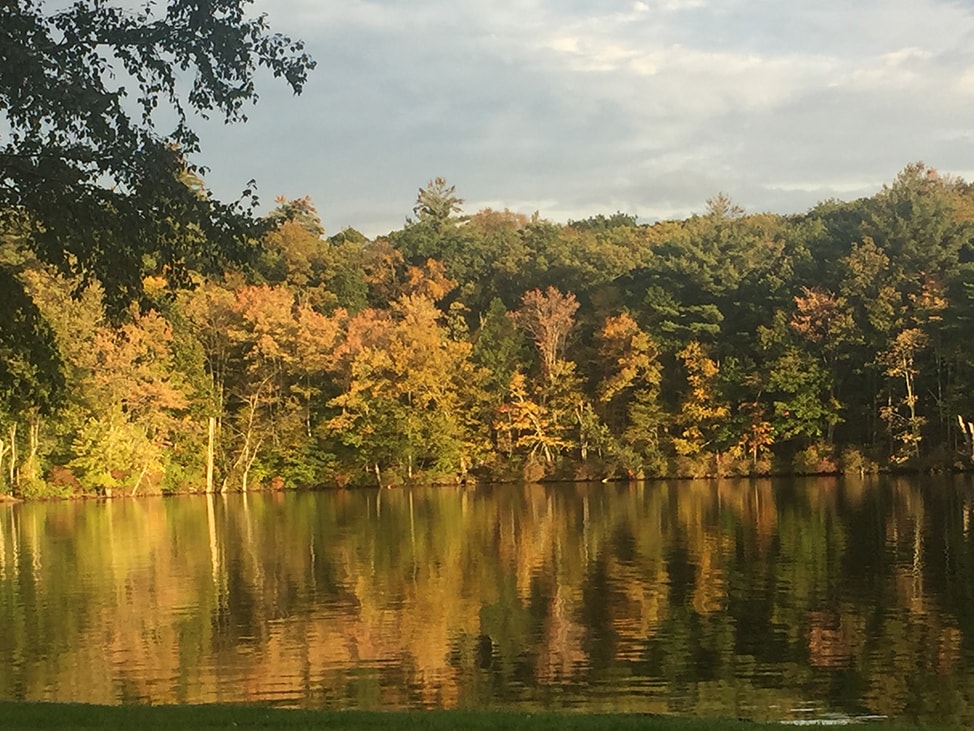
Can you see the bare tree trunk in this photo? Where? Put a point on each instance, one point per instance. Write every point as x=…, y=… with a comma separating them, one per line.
x=248, y=454
x=3, y=453
x=35, y=435
x=911, y=401
x=33, y=446
x=13, y=455
x=582, y=410
x=138, y=482
x=248, y=465
x=246, y=457
x=967, y=429
x=210, y=450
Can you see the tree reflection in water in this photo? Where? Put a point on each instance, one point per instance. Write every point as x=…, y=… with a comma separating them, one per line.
x=735, y=598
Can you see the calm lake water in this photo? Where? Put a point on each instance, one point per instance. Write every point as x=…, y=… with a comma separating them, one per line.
x=758, y=599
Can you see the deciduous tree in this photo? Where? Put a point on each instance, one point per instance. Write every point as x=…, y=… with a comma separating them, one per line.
x=548, y=317
x=96, y=102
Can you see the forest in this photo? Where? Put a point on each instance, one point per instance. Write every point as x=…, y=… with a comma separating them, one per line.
x=495, y=345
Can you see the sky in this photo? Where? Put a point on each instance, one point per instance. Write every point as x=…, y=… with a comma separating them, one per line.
x=573, y=108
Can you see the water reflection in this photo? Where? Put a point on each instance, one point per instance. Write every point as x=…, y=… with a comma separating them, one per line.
x=761, y=599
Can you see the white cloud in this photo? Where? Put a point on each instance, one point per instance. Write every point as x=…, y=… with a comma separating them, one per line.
x=576, y=107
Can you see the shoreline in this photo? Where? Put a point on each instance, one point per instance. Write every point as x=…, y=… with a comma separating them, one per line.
x=34, y=714
x=7, y=498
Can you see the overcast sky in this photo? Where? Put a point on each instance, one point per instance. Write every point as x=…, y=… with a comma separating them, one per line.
x=578, y=107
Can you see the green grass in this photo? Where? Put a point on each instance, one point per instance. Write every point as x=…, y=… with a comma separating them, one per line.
x=14, y=715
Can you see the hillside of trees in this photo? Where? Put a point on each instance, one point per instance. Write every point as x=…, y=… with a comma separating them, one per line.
x=496, y=345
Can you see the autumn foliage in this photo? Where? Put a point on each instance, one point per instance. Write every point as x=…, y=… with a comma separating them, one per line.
x=505, y=346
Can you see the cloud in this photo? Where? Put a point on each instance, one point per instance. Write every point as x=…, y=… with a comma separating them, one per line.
x=577, y=108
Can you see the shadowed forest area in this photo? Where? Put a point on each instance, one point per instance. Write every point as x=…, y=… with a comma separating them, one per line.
x=497, y=345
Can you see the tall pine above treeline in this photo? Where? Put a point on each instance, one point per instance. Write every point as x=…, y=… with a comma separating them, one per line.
x=496, y=345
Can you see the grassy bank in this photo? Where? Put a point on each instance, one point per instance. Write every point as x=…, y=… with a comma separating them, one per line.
x=66, y=716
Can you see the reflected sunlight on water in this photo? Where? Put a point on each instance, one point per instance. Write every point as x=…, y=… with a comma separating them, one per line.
x=771, y=600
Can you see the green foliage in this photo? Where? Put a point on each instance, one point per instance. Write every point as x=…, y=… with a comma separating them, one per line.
x=818, y=459
x=31, y=367
x=101, y=186
x=500, y=344
x=437, y=203
x=114, y=454
x=803, y=405
x=915, y=221
x=325, y=273
x=499, y=347
x=300, y=211
x=601, y=223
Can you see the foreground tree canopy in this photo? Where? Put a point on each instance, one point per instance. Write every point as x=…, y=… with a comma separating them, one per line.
x=501, y=346
x=96, y=177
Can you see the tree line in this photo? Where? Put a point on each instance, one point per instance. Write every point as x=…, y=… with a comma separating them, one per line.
x=496, y=345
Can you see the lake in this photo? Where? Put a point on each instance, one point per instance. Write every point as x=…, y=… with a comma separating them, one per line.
x=761, y=599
